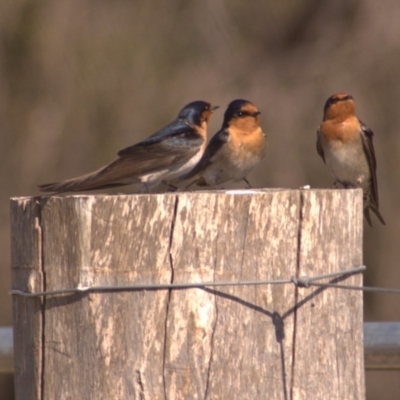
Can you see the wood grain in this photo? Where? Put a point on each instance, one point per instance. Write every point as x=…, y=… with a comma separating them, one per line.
x=328, y=340
x=26, y=274
x=242, y=342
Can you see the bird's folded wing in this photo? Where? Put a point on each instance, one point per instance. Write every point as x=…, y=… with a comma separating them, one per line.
x=134, y=162
x=216, y=143
x=366, y=137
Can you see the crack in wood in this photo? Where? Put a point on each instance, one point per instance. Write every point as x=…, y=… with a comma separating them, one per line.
x=284, y=235
x=296, y=293
x=173, y=226
x=39, y=231
x=174, y=215
x=139, y=381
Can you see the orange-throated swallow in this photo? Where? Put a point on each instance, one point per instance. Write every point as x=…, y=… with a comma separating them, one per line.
x=164, y=156
x=345, y=145
x=234, y=150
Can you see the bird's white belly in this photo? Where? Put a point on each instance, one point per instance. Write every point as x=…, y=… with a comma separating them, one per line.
x=349, y=165
x=224, y=169
x=185, y=167
x=176, y=171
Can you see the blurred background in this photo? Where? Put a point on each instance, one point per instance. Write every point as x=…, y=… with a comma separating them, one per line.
x=79, y=80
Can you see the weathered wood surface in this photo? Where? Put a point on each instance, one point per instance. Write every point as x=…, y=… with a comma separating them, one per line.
x=381, y=347
x=26, y=274
x=328, y=331
x=247, y=342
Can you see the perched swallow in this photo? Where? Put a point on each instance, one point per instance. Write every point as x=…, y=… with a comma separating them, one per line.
x=164, y=156
x=345, y=145
x=234, y=150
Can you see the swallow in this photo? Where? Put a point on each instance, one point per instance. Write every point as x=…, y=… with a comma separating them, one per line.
x=345, y=145
x=162, y=157
x=234, y=150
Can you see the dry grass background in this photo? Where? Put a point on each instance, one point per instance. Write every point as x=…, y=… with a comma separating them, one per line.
x=79, y=80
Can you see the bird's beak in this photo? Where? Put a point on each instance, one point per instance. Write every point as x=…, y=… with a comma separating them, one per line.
x=214, y=108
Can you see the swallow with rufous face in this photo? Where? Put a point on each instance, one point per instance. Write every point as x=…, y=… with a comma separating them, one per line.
x=163, y=157
x=345, y=145
x=234, y=150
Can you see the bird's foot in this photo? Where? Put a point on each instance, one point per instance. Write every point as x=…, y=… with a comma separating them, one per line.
x=248, y=183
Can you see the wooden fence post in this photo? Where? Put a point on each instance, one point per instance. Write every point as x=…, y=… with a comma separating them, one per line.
x=233, y=342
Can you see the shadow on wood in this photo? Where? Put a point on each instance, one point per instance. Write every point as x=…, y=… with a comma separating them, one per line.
x=245, y=342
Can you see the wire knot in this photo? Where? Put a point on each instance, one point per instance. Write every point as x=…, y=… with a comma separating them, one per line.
x=302, y=281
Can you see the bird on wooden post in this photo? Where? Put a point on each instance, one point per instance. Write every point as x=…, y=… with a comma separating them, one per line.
x=345, y=145
x=234, y=150
x=162, y=157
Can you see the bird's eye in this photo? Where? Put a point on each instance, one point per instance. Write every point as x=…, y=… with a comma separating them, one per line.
x=240, y=113
x=207, y=108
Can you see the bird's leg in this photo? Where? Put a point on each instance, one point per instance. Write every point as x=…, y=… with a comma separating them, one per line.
x=191, y=184
x=146, y=187
x=171, y=188
x=248, y=183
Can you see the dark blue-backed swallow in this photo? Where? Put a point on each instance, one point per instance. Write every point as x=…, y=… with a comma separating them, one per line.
x=345, y=145
x=164, y=156
x=234, y=150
